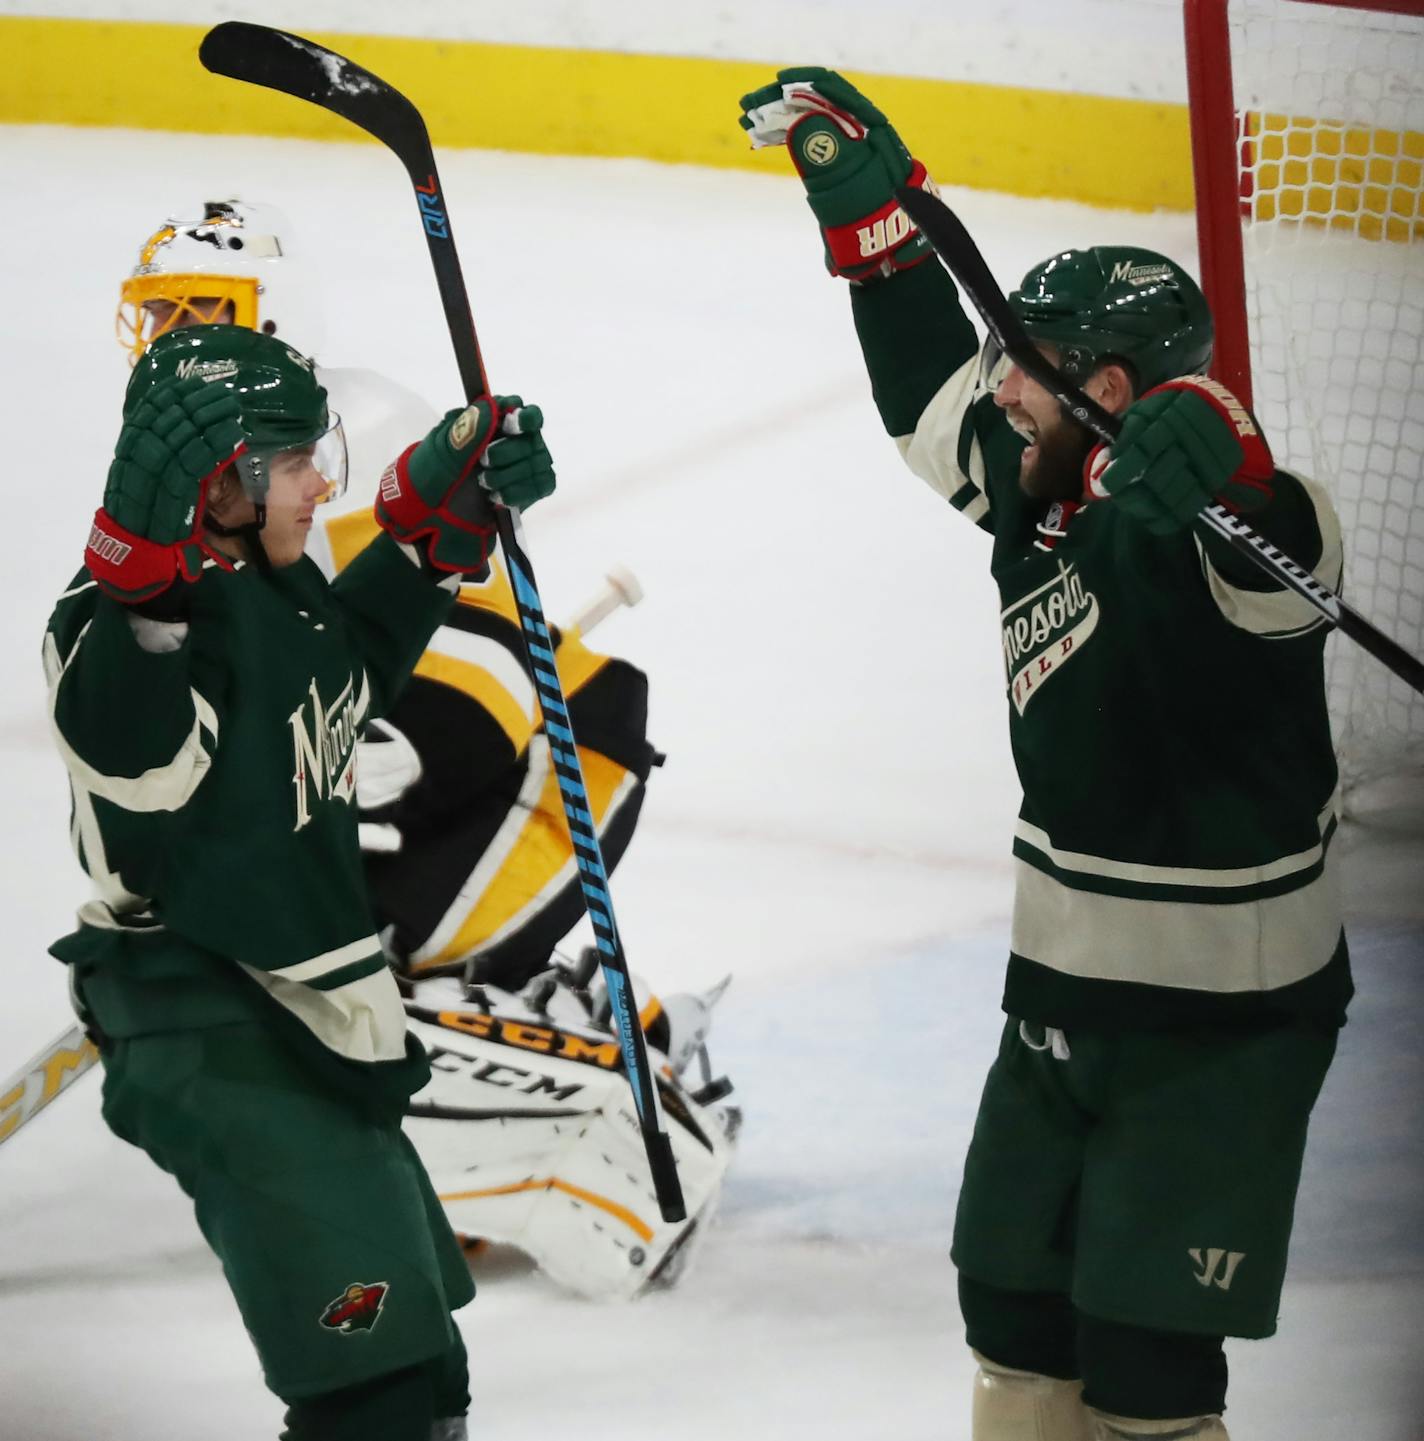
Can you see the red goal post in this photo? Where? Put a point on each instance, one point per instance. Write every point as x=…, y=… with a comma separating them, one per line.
x=1307, y=124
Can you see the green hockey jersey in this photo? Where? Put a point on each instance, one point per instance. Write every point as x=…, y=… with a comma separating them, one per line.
x=1166, y=710
x=212, y=769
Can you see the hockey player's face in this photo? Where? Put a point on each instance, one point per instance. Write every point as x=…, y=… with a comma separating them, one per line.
x=295, y=488
x=1051, y=467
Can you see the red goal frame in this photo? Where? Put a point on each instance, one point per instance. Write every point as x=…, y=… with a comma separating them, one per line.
x=1221, y=186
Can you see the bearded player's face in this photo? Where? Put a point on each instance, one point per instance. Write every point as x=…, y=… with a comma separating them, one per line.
x=1051, y=467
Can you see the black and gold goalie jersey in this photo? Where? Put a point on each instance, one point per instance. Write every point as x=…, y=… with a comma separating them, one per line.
x=485, y=871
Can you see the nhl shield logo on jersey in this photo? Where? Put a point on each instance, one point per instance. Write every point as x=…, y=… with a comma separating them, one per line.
x=1044, y=630
x=357, y=1308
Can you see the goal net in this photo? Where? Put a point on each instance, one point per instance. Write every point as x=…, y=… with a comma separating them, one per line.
x=1308, y=147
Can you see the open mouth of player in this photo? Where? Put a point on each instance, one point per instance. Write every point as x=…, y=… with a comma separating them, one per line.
x=1029, y=431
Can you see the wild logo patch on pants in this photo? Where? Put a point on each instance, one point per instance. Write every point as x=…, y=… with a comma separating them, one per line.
x=357, y=1308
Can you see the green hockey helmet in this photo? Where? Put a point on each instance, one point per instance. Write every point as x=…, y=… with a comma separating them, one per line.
x=283, y=404
x=1117, y=301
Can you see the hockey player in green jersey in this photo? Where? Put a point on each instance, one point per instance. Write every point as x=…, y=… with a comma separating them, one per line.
x=207, y=687
x=1178, y=969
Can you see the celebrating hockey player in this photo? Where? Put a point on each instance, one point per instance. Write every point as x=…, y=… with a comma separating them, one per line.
x=469, y=862
x=1178, y=970
x=252, y=1037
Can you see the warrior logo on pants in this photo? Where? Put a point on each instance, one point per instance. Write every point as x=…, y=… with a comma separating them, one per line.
x=357, y=1308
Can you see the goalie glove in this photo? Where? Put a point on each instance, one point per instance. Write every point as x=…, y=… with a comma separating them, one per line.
x=148, y=534
x=1184, y=445
x=850, y=160
x=441, y=493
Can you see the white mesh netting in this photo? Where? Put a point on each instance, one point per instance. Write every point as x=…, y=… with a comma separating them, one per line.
x=1330, y=105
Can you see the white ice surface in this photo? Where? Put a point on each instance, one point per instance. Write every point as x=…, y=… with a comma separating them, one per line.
x=832, y=824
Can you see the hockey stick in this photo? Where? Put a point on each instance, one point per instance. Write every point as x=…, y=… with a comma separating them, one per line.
x=43, y=1077
x=298, y=67
x=71, y=1053
x=955, y=247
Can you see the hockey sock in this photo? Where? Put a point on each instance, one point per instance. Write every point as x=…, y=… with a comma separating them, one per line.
x=1026, y=1330
x=396, y=1407
x=1134, y=1371
x=450, y=1380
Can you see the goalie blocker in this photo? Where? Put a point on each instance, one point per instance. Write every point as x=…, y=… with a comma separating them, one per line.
x=531, y=1138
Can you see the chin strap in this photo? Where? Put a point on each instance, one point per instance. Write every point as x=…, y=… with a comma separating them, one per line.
x=249, y=533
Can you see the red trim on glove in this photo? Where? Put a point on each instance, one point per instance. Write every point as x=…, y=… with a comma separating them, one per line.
x=806, y=94
x=404, y=512
x=1258, y=467
x=875, y=237
x=132, y=568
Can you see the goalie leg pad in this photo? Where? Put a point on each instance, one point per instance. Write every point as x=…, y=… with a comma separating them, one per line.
x=530, y=1135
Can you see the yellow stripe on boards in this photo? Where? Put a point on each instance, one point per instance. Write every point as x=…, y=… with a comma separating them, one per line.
x=681, y=109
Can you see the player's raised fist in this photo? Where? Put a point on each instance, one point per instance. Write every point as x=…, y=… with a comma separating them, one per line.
x=1184, y=445
x=850, y=161
x=441, y=492
x=148, y=532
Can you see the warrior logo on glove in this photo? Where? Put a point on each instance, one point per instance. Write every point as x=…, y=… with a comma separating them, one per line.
x=850, y=161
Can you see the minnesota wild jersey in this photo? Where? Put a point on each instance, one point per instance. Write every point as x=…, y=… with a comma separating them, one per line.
x=213, y=782
x=1166, y=710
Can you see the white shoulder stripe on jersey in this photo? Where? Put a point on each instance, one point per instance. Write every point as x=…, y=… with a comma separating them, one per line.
x=932, y=452
x=1281, y=614
x=166, y=787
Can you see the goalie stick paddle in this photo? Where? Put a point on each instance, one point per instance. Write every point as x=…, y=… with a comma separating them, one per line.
x=956, y=248
x=301, y=68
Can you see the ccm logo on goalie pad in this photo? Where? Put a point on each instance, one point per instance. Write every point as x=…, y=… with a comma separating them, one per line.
x=545, y=1039
x=490, y=1072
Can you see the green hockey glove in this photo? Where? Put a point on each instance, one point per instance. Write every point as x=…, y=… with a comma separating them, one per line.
x=1184, y=445
x=441, y=493
x=850, y=161
x=149, y=531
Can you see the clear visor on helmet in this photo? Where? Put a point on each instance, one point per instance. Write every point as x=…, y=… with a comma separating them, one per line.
x=262, y=466
x=994, y=365
x=152, y=305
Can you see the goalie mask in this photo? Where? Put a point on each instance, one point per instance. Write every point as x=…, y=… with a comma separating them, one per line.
x=232, y=263
x=1115, y=302
x=283, y=404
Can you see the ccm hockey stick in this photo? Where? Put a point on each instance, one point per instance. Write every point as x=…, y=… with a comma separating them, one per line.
x=71, y=1053
x=43, y=1077
x=308, y=71
x=956, y=248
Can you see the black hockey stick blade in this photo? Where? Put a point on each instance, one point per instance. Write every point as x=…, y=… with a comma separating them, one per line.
x=308, y=71
x=278, y=60
x=962, y=258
